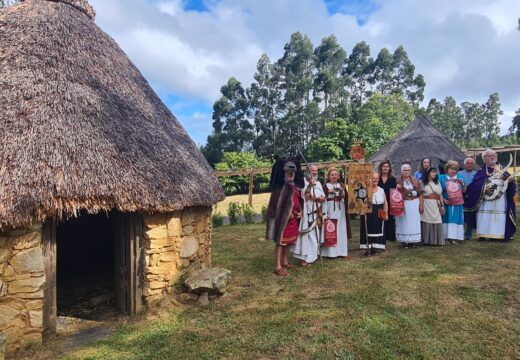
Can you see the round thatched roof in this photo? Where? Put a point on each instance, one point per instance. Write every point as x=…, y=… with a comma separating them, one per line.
x=80, y=127
x=417, y=141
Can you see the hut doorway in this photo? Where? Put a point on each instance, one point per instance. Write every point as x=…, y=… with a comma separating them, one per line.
x=93, y=266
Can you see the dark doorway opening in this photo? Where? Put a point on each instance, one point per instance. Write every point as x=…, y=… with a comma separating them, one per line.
x=86, y=285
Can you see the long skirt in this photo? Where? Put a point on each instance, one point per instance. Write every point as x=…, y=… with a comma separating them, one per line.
x=408, y=226
x=390, y=228
x=491, y=218
x=453, y=222
x=432, y=234
x=375, y=227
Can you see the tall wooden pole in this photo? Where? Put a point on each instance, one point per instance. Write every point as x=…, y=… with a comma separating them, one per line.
x=250, y=199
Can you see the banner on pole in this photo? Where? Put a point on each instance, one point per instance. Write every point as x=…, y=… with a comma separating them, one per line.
x=360, y=188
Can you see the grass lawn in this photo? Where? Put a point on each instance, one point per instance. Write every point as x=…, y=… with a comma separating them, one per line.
x=454, y=302
x=258, y=201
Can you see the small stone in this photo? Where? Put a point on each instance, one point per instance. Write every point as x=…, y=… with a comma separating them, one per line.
x=34, y=305
x=187, y=298
x=4, y=254
x=34, y=295
x=30, y=285
x=203, y=300
x=189, y=247
x=9, y=271
x=168, y=256
x=159, y=232
x=161, y=242
x=175, y=226
x=3, y=288
x=155, y=258
x=212, y=280
x=201, y=227
x=187, y=230
x=155, y=220
x=27, y=261
x=7, y=315
x=185, y=263
x=36, y=318
x=27, y=241
x=156, y=285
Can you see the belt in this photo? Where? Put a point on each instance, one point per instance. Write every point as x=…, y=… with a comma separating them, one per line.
x=410, y=197
x=432, y=197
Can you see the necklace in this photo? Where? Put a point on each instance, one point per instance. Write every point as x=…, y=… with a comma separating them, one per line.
x=489, y=173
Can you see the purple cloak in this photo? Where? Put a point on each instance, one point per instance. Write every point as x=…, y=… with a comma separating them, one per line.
x=474, y=196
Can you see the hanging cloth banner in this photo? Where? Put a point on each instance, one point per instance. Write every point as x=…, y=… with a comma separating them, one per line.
x=396, y=202
x=454, y=191
x=331, y=232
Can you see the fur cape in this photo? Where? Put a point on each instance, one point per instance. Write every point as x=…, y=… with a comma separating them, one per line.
x=280, y=203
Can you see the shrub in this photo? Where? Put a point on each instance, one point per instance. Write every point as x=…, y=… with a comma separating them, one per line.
x=263, y=211
x=248, y=213
x=217, y=219
x=234, y=210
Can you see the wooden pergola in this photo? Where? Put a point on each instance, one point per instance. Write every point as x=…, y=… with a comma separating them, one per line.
x=498, y=149
x=343, y=164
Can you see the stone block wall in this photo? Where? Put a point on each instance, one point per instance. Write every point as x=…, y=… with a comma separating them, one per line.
x=175, y=243
x=21, y=286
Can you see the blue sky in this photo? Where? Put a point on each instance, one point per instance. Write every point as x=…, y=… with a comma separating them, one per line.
x=187, y=49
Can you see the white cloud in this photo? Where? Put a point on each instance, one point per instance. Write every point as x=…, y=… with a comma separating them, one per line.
x=465, y=48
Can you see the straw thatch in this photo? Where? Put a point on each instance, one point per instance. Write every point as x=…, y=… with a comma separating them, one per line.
x=417, y=141
x=80, y=128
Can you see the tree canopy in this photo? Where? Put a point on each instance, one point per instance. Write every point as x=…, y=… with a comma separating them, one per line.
x=319, y=100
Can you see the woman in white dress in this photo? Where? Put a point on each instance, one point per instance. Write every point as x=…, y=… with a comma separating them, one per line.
x=335, y=225
x=408, y=226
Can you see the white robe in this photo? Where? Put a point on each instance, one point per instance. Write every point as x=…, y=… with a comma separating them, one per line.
x=336, y=210
x=408, y=226
x=492, y=217
x=306, y=247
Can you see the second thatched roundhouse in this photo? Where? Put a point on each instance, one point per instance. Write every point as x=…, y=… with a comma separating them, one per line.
x=417, y=141
x=102, y=192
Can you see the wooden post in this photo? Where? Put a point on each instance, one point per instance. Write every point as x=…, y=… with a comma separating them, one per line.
x=514, y=161
x=250, y=199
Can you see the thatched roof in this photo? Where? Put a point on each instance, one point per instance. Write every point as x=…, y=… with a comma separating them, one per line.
x=417, y=141
x=80, y=127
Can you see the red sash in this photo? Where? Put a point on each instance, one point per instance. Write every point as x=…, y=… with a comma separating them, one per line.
x=331, y=232
x=396, y=202
x=454, y=191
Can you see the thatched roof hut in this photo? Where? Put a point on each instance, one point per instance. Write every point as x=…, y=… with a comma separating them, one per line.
x=417, y=141
x=82, y=132
x=81, y=128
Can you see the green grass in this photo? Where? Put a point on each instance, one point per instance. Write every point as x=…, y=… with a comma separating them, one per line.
x=454, y=302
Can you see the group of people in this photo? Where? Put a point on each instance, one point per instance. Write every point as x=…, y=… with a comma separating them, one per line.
x=309, y=219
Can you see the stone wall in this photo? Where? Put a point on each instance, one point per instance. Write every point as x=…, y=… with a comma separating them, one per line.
x=21, y=286
x=175, y=243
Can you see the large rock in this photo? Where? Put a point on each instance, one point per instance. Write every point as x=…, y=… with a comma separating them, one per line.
x=28, y=261
x=7, y=315
x=213, y=281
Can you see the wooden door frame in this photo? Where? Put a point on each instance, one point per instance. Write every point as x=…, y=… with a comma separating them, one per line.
x=134, y=276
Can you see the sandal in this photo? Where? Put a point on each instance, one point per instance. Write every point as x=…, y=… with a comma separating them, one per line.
x=304, y=264
x=281, y=272
x=288, y=266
